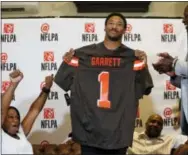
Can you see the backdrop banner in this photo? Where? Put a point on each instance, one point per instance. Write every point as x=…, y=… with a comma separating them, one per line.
x=36, y=47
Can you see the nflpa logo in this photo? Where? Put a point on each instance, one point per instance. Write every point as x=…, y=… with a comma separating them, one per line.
x=45, y=28
x=169, y=86
x=48, y=113
x=90, y=27
x=4, y=86
x=167, y=112
x=129, y=28
x=8, y=28
x=168, y=28
x=48, y=56
x=4, y=57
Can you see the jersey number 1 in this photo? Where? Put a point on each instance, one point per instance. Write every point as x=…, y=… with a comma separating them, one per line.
x=103, y=102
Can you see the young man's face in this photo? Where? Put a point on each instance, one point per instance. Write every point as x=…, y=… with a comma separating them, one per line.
x=114, y=28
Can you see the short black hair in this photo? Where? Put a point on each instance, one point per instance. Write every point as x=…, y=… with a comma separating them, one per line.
x=18, y=113
x=119, y=15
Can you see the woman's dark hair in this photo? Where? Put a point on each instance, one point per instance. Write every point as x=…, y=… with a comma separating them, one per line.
x=18, y=113
x=119, y=15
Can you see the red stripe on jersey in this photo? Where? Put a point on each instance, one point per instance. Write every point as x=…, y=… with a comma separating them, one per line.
x=74, y=62
x=138, y=65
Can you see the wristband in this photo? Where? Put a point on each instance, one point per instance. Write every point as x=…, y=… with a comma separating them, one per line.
x=17, y=79
x=45, y=90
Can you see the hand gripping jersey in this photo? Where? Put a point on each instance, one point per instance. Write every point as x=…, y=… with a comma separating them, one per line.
x=105, y=88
